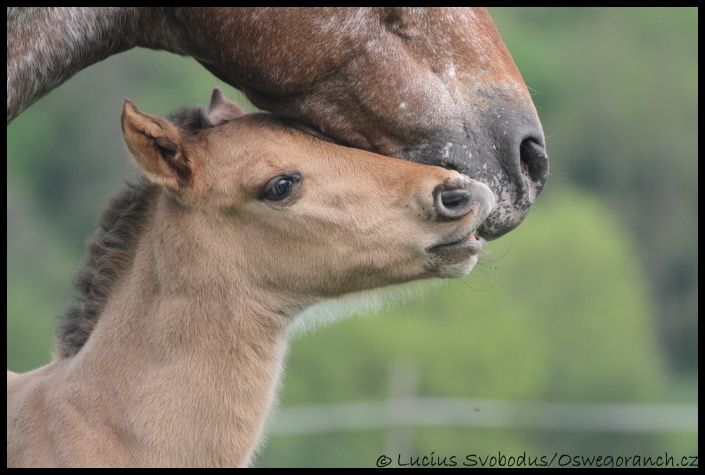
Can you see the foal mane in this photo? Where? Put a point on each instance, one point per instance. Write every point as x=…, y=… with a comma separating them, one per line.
x=109, y=252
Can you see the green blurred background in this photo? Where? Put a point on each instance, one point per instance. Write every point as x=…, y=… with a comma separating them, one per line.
x=576, y=335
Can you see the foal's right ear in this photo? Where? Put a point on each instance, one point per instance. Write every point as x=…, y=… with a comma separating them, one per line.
x=157, y=147
x=223, y=109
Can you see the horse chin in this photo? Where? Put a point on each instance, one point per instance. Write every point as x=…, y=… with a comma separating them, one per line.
x=458, y=269
x=458, y=258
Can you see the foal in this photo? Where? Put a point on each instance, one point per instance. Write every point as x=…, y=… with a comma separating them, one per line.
x=172, y=354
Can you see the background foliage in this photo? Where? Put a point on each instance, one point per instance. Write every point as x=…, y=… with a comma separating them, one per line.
x=593, y=299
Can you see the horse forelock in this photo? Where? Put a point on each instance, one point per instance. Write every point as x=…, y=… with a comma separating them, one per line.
x=109, y=252
x=190, y=119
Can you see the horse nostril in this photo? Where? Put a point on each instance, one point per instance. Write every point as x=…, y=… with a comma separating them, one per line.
x=533, y=161
x=455, y=199
x=453, y=203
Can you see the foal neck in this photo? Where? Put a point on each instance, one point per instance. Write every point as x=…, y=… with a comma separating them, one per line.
x=184, y=345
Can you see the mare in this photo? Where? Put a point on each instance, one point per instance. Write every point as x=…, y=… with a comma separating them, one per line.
x=429, y=85
x=171, y=354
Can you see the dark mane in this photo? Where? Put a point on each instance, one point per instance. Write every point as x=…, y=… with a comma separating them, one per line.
x=109, y=251
x=190, y=119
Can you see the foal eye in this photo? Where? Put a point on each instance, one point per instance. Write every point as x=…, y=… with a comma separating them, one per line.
x=280, y=187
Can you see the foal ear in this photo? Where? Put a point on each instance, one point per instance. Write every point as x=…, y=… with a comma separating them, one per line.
x=157, y=147
x=223, y=109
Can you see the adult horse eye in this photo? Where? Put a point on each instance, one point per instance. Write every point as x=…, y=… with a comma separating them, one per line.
x=281, y=187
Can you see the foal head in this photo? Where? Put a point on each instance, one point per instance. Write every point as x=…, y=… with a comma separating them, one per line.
x=288, y=212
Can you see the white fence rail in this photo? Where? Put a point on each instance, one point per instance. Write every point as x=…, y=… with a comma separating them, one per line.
x=428, y=411
x=425, y=411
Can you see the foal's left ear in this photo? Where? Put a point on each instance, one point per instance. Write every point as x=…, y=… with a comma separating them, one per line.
x=223, y=109
x=157, y=147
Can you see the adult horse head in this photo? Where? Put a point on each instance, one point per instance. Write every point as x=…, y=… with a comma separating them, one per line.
x=430, y=85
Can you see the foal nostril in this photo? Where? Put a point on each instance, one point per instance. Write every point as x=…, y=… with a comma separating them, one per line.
x=455, y=200
x=533, y=161
x=453, y=203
